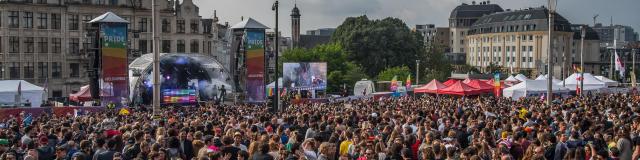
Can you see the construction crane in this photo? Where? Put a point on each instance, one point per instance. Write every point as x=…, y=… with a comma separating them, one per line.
x=594, y=19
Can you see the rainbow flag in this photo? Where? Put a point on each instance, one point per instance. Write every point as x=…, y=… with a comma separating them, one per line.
x=270, y=92
x=408, y=85
x=496, y=84
x=394, y=84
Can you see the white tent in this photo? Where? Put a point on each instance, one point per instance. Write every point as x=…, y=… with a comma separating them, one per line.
x=553, y=80
x=511, y=79
x=273, y=84
x=532, y=88
x=521, y=78
x=607, y=81
x=363, y=86
x=30, y=93
x=590, y=82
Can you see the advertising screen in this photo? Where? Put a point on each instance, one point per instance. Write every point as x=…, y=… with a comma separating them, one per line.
x=254, y=40
x=305, y=76
x=179, y=96
x=114, y=80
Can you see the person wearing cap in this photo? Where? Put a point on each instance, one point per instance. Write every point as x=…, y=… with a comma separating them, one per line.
x=237, y=139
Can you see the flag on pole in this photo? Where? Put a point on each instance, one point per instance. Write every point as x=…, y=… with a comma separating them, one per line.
x=270, y=92
x=408, y=85
x=46, y=85
x=394, y=83
x=619, y=65
x=496, y=84
x=20, y=88
x=633, y=79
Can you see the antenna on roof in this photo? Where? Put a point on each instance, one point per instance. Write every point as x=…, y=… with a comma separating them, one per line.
x=594, y=19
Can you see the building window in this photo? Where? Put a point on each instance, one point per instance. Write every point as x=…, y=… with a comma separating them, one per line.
x=43, y=70
x=74, y=46
x=42, y=1
x=180, y=46
x=142, y=46
x=85, y=22
x=56, y=21
x=42, y=17
x=113, y=2
x=75, y=70
x=166, y=26
x=14, y=19
x=74, y=22
x=524, y=59
x=180, y=26
x=530, y=48
x=143, y=25
x=43, y=45
x=195, y=26
x=461, y=41
x=1, y=70
x=194, y=46
x=14, y=44
x=56, y=45
x=14, y=70
x=28, y=70
x=28, y=20
x=530, y=59
x=166, y=46
x=530, y=37
x=28, y=45
x=524, y=49
x=56, y=70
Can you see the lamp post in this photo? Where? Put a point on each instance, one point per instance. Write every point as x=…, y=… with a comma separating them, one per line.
x=417, y=72
x=552, y=7
x=276, y=87
x=583, y=32
x=156, y=60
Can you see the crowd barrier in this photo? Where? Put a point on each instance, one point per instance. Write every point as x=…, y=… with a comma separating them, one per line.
x=6, y=113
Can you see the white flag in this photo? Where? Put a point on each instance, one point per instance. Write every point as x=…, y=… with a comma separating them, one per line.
x=619, y=65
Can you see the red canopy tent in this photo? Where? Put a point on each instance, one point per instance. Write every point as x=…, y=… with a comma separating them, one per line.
x=459, y=88
x=431, y=87
x=83, y=95
x=450, y=82
x=502, y=84
x=480, y=85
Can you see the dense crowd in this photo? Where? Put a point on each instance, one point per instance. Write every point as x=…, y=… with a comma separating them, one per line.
x=601, y=127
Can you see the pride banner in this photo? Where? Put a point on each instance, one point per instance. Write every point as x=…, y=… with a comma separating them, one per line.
x=254, y=43
x=114, y=80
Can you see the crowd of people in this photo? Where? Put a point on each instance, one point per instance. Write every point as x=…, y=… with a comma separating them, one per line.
x=598, y=127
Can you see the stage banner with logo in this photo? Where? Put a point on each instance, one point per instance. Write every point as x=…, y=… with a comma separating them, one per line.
x=114, y=80
x=254, y=43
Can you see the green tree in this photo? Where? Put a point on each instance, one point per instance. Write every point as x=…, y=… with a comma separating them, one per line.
x=388, y=74
x=493, y=68
x=379, y=44
x=437, y=65
x=339, y=70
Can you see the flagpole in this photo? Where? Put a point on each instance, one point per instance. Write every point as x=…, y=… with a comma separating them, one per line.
x=583, y=32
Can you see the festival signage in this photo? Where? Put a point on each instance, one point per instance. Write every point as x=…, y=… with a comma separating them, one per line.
x=114, y=80
x=254, y=43
x=305, y=76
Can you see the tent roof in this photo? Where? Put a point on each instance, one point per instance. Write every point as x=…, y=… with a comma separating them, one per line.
x=84, y=94
x=431, y=87
x=535, y=85
x=108, y=17
x=459, y=88
x=589, y=79
x=450, y=82
x=521, y=77
x=249, y=23
x=544, y=77
x=273, y=84
x=480, y=85
x=511, y=78
x=12, y=86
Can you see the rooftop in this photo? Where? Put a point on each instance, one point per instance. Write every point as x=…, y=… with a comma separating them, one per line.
x=474, y=10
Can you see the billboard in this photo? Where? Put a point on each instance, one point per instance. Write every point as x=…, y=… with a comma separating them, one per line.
x=115, y=76
x=254, y=43
x=179, y=96
x=305, y=76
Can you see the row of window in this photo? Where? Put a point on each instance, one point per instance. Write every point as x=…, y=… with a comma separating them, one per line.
x=102, y=2
x=29, y=68
x=28, y=45
x=498, y=39
x=499, y=59
x=499, y=49
x=180, y=46
x=180, y=26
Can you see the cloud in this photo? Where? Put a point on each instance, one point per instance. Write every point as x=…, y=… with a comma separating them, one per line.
x=331, y=13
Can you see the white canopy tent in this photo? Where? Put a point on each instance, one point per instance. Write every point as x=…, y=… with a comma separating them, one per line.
x=30, y=93
x=511, y=78
x=273, y=84
x=363, y=87
x=544, y=77
x=521, y=77
x=532, y=88
x=590, y=82
x=607, y=81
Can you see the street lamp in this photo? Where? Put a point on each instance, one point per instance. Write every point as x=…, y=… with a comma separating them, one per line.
x=583, y=32
x=276, y=87
x=552, y=8
x=417, y=72
x=156, y=60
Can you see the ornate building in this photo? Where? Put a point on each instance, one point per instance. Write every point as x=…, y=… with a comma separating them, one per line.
x=295, y=26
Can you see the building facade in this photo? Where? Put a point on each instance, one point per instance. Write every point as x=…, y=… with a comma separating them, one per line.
x=45, y=42
x=622, y=34
x=460, y=21
x=321, y=32
x=518, y=41
x=295, y=25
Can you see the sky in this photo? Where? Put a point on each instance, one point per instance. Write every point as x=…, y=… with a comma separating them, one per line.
x=331, y=13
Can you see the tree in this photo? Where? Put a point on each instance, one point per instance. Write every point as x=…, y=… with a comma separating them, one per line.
x=339, y=70
x=378, y=44
x=388, y=74
x=492, y=68
x=467, y=69
x=437, y=65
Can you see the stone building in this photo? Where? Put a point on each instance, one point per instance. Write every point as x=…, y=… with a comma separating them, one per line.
x=45, y=42
x=460, y=21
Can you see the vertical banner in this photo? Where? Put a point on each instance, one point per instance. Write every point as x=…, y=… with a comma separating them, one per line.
x=254, y=43
x=496, y=84
x=114, y=82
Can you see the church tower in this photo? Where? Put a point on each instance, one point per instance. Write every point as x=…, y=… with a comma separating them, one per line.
x=295, y=25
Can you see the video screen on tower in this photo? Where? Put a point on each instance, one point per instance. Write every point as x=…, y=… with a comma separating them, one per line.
x=305, y=76
x=179, y=96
